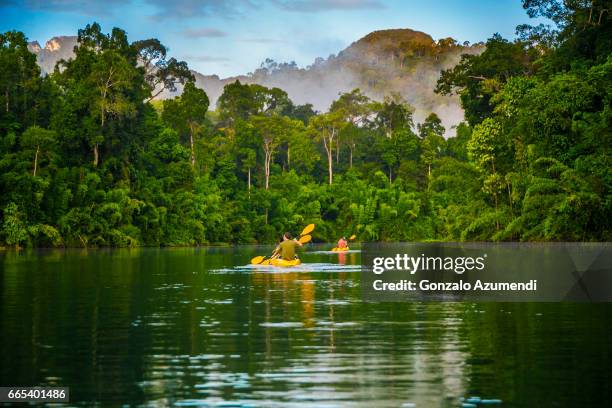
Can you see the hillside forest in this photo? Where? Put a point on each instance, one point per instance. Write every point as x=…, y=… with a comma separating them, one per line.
x=89, y=157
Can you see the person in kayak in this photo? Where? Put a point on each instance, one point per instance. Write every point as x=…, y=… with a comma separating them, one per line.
x=342, y=243
x=286, y=249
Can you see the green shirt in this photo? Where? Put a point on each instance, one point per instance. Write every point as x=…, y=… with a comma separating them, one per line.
x=287, y=249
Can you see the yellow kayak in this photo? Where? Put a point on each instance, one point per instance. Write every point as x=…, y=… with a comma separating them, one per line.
x=281, y=262
x=336, y=249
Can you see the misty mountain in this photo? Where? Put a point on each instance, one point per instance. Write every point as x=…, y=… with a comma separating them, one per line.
x=57, y=48
x=400, y=61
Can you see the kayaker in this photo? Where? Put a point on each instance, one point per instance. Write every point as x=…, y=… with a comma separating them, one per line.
x=342, y=243
x=286, y=249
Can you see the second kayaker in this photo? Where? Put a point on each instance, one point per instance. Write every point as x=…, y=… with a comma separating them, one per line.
x=286, y=249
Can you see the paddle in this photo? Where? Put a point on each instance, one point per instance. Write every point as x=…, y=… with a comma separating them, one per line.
x=304, y=239
x=308, y=229
x=352, y=237
x=257, y=260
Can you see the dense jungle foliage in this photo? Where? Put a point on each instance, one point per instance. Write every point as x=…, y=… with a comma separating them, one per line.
x=88, y=157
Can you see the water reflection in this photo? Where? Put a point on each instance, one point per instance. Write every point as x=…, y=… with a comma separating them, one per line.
x=187, y=327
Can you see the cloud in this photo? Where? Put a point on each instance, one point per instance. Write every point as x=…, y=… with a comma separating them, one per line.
x=205, y=58
x=186, y=9
x=312, y=6
x=264, y=40
x=204, y=32
x=86, y=7
x=191, y=9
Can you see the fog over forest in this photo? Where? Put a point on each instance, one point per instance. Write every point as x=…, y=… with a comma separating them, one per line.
x=400, y=61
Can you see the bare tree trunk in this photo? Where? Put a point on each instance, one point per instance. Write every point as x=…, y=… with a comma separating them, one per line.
x=102, y=119
x=601, y=13
x=95, y=148
x=192, y=150
x=288, y=158
x=351, y=147
x=338, y=151
x=328, y=144
x=330, y=168
x=192, y=145
x=249, y=178
x=153, y=96
x=267, y=168
x=36, y=160
x=510, y=196
x=96, y=155
x=267, y=172
x=496, y=215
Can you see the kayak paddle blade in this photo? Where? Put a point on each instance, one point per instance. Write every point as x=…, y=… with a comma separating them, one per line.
x=309, y=228
x=257, y=260
x=305, y=239
x=352, y=237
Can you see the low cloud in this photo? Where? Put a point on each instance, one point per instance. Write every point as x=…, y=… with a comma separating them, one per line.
x=263, y=40
x=204, y=32
x=205, y=58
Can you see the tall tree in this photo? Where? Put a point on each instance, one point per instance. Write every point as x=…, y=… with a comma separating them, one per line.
x=356, y=108
x=40, y=141
x=236, y=102
x=432, y=125
x=326, y=128
x=485, y=148
x=162, y=74
x=188, y=110
x=104, y=79
x=392, y=115
x=478, y=77
x=431, y=133
x=272, y=130
x=19, y=81
x=581, y=31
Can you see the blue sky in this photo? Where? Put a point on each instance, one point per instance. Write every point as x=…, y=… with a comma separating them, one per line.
x=230, y=37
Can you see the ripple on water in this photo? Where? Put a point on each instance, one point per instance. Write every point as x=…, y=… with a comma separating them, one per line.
x=219, y=301
x=305, y=267
x=207, y=323
x=191, y=403
x=310, y=336
x=333, y=302
x=173, y=286
x=337, y=324
x=206, y=357
x=350, y=251
x=282, y=325
x=210, y=384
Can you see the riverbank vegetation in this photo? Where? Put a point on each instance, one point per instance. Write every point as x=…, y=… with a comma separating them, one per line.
x=88, y=157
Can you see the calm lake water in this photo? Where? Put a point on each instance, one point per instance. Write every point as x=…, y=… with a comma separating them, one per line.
x=197, y=327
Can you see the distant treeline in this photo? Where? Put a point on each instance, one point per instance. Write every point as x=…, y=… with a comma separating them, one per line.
x=88, y=157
